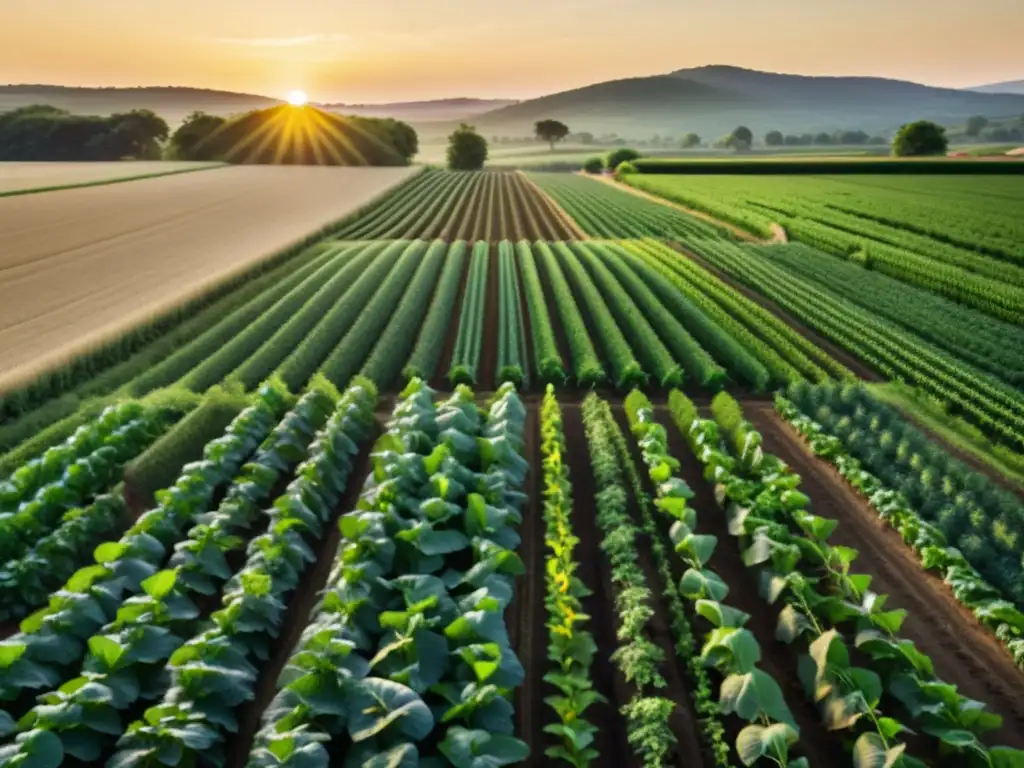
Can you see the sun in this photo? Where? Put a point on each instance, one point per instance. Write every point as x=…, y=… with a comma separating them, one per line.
x=297, y=98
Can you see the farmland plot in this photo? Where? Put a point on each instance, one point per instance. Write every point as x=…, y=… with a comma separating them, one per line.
x=82, y=265
x=21, y=177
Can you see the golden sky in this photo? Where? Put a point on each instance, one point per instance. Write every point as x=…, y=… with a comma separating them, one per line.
x=340, y=50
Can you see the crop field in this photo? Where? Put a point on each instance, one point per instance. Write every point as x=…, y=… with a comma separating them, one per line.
x=451, y=484
x=21, y=177
x=84, y=264
x=491, y=206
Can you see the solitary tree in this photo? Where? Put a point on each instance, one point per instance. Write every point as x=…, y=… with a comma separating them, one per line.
x=774, y=139
x=585, y=137
x=976, y=124
x=920, y=138
x=741, y=138
x=550, y=131
x=690, y=140
x=467, y=149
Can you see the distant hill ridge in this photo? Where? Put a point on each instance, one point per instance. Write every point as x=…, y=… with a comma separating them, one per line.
x=710, y=100
x=1008, y=86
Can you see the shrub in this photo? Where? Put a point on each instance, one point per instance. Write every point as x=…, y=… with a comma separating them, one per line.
x=624, y=169
x=616, y=157
x=593, y=165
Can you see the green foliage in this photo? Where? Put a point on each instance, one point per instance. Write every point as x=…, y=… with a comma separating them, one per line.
x=355, y=347
x=616, y=157
x=161, y=463
x=689, y=141
x=513, y=360
x=286, y=135
x=547, y=360
x=571, y=647
x=593, y=165
x=391, y=350
x=41, y=132
x=920, y=138
x=467, y=149
x=426, y=355
x=626, y=370
x=741, y=138
x=469, y=341
x=409, y=649
x=774, y=139
x=308, y=356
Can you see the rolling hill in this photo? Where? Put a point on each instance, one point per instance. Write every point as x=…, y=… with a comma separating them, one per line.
x=1009, y=86
x=414, y=111
x=713, y=100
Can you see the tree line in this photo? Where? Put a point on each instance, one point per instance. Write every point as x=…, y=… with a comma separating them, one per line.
x=278, y=135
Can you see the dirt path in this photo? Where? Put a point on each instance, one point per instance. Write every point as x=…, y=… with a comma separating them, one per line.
x=964, y=652
x=570, y=229
x=860, y=369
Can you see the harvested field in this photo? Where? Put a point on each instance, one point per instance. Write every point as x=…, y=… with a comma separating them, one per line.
x=25, y=177
x=83, y=264
x=454, y=205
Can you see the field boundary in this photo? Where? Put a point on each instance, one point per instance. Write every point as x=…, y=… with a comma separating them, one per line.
x=106, y=182
x=555, y=208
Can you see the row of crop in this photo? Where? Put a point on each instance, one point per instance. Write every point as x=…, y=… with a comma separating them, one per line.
x=696, y=362
x=426, y=355
x=571, y=646
x=126, y=659
x=746, y=691
x=547, y=360
x=828, y=605
x=797, y=352
x=38, y=498
x=955, y=504
x=637, y=657
x=408, y=653
x=465, y=362
x=53, y=639
x=513, y=358
x=210, y=670
x=991, y=345
x=986, y=294
x=987, y=402
x=422, y=195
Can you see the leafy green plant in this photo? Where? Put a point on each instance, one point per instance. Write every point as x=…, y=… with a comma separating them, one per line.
x=469, y=341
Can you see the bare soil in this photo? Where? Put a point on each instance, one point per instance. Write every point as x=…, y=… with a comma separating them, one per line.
x=29, y=177
x=964, y=652
x=81, y=266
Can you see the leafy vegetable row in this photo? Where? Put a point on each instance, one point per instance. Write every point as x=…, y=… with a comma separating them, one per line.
x=468, y=344
x=746, y=691
x=54, y=637
x=126, y=658
x=81, y=480
x=926, y=538
x=214, y=672
x=50, y=467
x=513, y=360
x=637, y=657
x=825, y=597
x=571, y=647
x=408, y=654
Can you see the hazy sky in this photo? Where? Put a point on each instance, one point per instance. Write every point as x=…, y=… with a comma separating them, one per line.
x=379, y=50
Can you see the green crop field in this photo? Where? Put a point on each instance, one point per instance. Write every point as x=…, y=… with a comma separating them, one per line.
x=533, y=469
